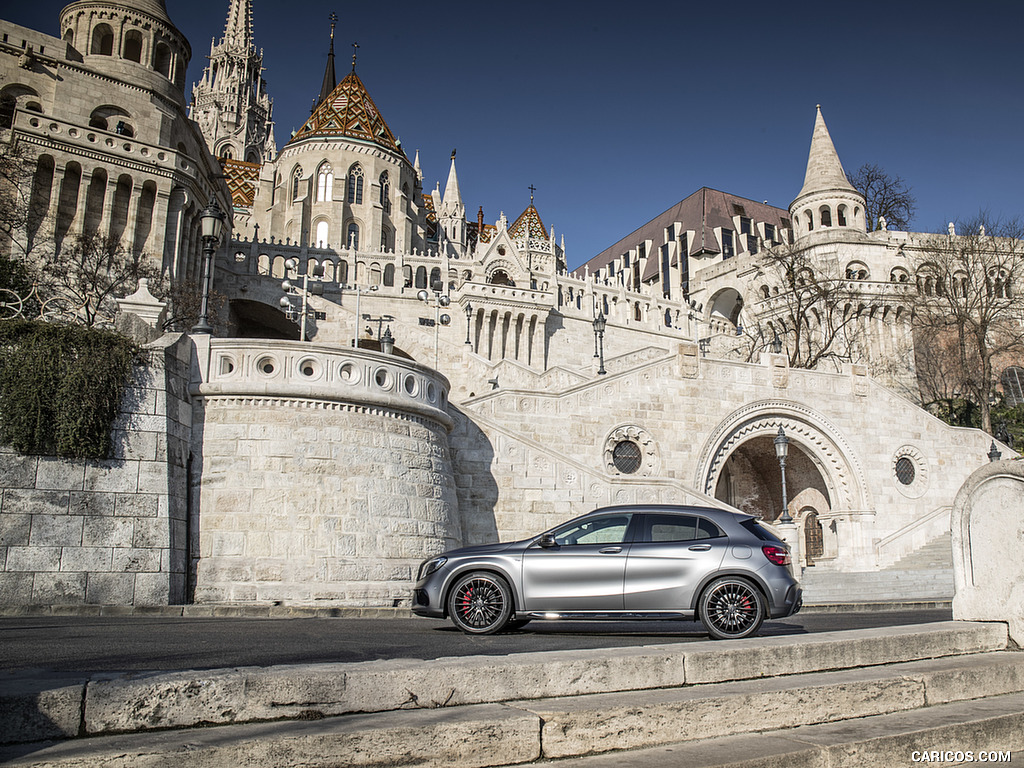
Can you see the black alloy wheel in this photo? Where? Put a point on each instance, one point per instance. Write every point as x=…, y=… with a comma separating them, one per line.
x=480, y=603
x=731, y=608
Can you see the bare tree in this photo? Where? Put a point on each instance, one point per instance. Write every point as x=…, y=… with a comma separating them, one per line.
x=969, y=309
x=884, y=195
x=90, y=272
x=809, y=304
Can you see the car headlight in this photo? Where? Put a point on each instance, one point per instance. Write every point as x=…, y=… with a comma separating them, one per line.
x=431, y=565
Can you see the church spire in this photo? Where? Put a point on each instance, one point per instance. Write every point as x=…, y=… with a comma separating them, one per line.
x=238, y=30
x=452, y=194
x=827, y=198
x=330, y=78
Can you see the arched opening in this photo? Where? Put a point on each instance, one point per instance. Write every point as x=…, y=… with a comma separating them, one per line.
x=825, y=216
x=500, y=277
x=726, y=305
x=256, y=320
x=132, y=46
x=162, y=59
x=102, y=40
x=324, y=183
x=814, y=537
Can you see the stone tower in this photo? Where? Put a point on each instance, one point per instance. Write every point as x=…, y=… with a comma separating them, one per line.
x=827, y=198
x=230, y=103
x=451, y=215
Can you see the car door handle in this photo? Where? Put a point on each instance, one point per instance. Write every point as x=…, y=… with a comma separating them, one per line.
x=699, y=548
x=610, y=550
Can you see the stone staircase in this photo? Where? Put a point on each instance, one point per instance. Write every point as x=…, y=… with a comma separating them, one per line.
x=829, y=700
x=923, y=575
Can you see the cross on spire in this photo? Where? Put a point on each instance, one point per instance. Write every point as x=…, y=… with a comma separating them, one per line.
x=355, y=47
x=532, y=190
x=334, y=20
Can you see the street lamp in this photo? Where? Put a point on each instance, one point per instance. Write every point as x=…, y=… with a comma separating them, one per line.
x=212, y=223
x=318, y=289
x=994, y=454
x=599, y=326
x=776, y=342
x=440, y=300
x=782, y=450
x=387, y=342
x=469, y=320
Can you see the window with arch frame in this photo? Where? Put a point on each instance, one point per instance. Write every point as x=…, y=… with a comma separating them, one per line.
x=355, y=185
x=296, y=178
x=324, y=183
x=352, y=236
x=385, y=192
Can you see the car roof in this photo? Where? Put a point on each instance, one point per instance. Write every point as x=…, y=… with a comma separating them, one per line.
x=680, y=509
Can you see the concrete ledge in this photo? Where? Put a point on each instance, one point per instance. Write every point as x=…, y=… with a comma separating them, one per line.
x=134, y=702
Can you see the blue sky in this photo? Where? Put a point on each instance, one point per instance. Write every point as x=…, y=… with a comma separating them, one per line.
x=616, y=111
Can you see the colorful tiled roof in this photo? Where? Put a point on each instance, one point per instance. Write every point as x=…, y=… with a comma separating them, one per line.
x=349, y=111
x=528, y=223
x=241, y=180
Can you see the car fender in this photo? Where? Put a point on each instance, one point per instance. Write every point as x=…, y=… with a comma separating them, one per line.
x=509, y=567
x=751, y=576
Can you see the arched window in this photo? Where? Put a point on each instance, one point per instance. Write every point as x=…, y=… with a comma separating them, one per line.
x=385, y=192
x=500, y=277
x=102, y=40
x=825, y=214
x=636, y=312
x=421, y=277
x=352, y=236
x=324, y=183
x=296, y=178
x=355, y=185
x=375, y=274
x=385, y=238
x=841, y=215
x=162, y=59
x=322, y=230
x=132, y=45
x=407, y=276
x=226, y=153
x=435, y=278
x=810, y=220
x=342, y=272
x=389, y=274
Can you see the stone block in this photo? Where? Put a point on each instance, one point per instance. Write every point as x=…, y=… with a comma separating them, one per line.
x=110, y=589
x=151, y=532
x=87, y=503
x=135, y=561
x=14, y=529
x=33, y=502
x=107, y=531
x=152, y=589
x=85, y=559
x=15, y=588
x=40, y=710
x=56, y=531
x=33, y=558
x=58, y=588
x=60, y=474
x=18, y=471
x=114, y=475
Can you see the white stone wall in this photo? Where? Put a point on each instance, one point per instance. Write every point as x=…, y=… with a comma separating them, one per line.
x=327, y=479
x=107, y=532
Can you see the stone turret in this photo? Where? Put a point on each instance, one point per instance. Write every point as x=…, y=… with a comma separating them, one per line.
x=452, y=213
x=827, y=198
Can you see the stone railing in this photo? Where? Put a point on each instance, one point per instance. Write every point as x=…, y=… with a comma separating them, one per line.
x=289, y=369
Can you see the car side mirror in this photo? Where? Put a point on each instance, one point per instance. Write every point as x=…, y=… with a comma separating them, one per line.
x=546, y=541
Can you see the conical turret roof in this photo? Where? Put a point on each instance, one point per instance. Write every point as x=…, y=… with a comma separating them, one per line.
x=350, y=112
x=824, y=171
x=452, y=194
x=528, y=224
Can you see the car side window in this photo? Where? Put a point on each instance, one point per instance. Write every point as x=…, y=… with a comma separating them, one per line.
x=598, y=530
x=665, y=528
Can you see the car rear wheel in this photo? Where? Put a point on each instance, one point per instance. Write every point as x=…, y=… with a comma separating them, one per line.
x=731, y=608
x=480, y=603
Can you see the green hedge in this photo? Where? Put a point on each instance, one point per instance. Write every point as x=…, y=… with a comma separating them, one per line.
x=61, y=387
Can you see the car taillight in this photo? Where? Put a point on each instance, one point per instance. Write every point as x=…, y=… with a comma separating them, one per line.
x=777, y=555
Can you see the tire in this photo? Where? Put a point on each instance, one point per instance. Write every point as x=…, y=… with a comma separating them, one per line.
x=731, y=608
x=480, y=603
x=513, y=624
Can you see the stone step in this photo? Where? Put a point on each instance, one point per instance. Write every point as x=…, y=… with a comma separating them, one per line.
x=523, y=731
x=945, y=734
x=130, y=703
x=876, y=586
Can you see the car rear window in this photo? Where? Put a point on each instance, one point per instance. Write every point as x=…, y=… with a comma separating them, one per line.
x=662, y=528
x=754, y=526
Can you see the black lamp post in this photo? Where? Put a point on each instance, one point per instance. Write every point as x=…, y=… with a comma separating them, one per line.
x=599, y=326
x=469, y=320
x=994, y=454
x=387, y=342
x=782, y=450
x=212, y=219
x=776, y=342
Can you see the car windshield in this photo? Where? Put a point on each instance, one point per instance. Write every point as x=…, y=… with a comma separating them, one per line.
x=595, y=530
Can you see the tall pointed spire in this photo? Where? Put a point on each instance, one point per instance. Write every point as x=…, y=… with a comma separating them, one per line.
x=330, y=78
x=827, y=198
x=238, y=30
x=824, y=171
x=452, y=195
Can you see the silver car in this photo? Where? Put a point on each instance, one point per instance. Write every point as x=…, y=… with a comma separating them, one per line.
x=626, y=562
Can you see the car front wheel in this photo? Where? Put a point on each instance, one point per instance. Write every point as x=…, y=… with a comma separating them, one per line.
x=480, y=603
x=731, y=608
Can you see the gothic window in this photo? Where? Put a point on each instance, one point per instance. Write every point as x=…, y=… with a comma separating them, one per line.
x=841, y=215
x=668, y=318
x=296, y=178
x=133, y=45
x=355, y=185
x=102, y=40
x=825, y=214
x=322, y=230
x=810, y=220
x=352, y=236
x=636, y=312
x=324, y=183
x=385, y=192
x=385, y=238
x=226, y=153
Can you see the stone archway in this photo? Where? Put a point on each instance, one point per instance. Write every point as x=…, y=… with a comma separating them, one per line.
x=824, y=481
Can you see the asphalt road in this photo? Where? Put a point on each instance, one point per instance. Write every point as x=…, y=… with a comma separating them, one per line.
x=87, y=645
